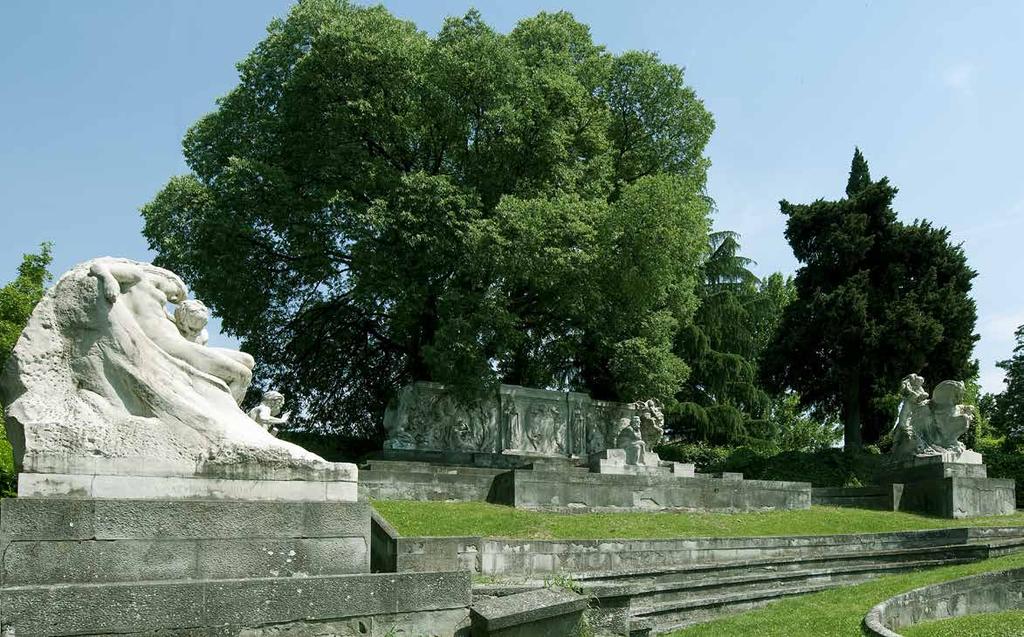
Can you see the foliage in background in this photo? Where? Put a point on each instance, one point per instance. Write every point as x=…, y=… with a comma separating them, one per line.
x=17, y=300
x=722, y=401
x=876, y=299
x=822, y=468
x=372, y=205
x=1006, y=409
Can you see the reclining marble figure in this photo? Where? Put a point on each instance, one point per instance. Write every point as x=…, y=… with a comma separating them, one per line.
x=104, y=381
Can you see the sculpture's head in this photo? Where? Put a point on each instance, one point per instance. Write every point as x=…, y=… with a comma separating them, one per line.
x=191, y=316
x=948, y=393
x=912, y=381
x=166, y=281
x=273, y=399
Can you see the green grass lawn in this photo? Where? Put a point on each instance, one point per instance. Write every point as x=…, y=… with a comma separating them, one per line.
x=839, y=612
x=491, y=520
x=1007, y=624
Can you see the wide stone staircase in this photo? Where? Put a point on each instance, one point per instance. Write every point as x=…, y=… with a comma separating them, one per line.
x=658, y=600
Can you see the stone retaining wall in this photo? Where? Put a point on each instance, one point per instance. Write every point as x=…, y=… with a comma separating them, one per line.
x=91, y=567
x=881, y=497
x=518, y=557
x=985, y=593
x=592, y=491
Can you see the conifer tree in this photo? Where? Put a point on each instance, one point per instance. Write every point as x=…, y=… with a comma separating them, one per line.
x=1007, y=407
x=876, y=299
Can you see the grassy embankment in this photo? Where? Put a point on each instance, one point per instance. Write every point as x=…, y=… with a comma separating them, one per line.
x=491, y=520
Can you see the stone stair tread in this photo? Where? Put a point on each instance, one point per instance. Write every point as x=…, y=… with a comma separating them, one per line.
x=662, y=587
x=585, y=576
x=726, y=599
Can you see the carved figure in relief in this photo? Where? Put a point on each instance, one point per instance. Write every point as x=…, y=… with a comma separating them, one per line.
x=400, y=420
x=511, y=424
x=578, y=430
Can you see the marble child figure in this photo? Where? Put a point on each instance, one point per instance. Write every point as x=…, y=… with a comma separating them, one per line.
x=267, y=414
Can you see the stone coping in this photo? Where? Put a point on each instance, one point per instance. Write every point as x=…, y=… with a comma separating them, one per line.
x=36, y=519
x=39, y=462
x=527, y=607
x=983, y=593
x=189, y=488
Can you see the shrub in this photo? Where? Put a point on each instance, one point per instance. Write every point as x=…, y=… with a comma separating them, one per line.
x=826, y=468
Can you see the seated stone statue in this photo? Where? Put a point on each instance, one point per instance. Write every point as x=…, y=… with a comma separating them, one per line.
x=268, y=414
x=105, y=380
x=631, y=439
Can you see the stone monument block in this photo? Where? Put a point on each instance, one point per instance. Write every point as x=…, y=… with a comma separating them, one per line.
x=522, y=421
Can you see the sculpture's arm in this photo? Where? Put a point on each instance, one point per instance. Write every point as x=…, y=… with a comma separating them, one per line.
x=274, y=420
x=113, y=275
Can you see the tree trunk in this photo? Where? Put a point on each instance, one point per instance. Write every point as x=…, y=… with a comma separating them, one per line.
x=852, y=416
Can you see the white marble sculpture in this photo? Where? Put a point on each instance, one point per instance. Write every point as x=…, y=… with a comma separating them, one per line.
x=932, y=426
x=630, y=439
x=104, y=381
x=268, y=414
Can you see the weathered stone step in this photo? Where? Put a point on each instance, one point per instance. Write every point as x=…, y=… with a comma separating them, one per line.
x=997, y=548
x=786, y=563
x=648, y=596
x=736, y=596
x=672, y=619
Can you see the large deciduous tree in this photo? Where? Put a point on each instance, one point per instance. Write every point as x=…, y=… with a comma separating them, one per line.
x=876, y=299
x=372, y=205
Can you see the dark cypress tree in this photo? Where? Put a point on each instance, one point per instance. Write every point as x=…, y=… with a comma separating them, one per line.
x=876, y=299
x=860, y=176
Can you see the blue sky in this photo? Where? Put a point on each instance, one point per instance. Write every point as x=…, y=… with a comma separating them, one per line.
x=96, y=96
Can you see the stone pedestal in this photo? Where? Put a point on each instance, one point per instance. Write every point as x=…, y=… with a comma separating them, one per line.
x=935, y=486
x=105, y=566
x=613, y=462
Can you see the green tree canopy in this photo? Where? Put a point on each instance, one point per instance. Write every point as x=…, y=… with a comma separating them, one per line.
x=737, y=315
x=17, y=300
x=19, y=297
x=876, y=299
x=372, y=205
x=1006, y=409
